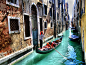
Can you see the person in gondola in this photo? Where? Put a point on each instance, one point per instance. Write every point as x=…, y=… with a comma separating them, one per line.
x=41, y=38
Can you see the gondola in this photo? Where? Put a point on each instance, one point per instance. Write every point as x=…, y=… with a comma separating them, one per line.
x=38, y=50
x=74, y=38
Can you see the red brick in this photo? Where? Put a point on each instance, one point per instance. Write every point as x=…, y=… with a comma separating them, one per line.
x=2, y=25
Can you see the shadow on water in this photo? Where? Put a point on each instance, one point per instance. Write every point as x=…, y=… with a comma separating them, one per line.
x=71, y=55
x=32, y=59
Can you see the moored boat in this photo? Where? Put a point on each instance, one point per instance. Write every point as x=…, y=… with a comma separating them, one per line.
x=74, y=38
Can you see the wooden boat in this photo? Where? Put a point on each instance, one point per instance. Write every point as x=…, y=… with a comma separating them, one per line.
x=47, y=50
x=74, y=38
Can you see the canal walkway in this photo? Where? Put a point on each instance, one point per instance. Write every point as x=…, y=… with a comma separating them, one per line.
x=67, y=48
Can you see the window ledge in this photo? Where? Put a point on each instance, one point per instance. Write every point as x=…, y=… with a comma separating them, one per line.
x=51, y=27
x=26, y=38
x=44, y=15
x=45, y=28
x=12, y=4
x=10, y=32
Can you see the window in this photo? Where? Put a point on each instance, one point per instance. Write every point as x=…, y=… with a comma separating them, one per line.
x=45, y=25
x=45, y=10
x=13, y=2
x=50, y=11
x=40, y=11
x=13, y=24
x=57, y=16
x=51, y=24
x=26, y=26
x=83, y=7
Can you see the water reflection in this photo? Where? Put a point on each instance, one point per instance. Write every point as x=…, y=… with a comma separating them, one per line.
x=72, y=57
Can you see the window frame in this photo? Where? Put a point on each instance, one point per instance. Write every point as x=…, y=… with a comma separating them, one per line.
x=16, y=31
x=13, y=4
x=44, y=24
x=25, y=38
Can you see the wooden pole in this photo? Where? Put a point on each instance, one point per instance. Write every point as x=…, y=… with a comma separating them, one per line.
x=58, y=52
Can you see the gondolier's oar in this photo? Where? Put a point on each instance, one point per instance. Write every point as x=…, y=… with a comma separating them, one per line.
x=58, y=52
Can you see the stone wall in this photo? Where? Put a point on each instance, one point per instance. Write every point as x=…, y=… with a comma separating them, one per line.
x=10, y=43
x=49, y=31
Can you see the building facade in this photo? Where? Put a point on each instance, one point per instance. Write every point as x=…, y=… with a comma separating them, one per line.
x=79, y=18
x=21, y=22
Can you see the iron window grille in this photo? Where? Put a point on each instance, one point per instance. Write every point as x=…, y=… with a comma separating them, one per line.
x=14, y=24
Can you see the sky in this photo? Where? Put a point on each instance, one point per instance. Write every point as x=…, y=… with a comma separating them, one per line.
x=71, y=5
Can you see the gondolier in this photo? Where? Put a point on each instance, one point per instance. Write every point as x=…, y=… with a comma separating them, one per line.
x=41, y=38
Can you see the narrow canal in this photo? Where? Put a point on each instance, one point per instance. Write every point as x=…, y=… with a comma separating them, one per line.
x=67, y=48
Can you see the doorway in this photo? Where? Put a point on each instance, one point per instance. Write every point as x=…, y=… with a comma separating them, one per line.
x=34, y=25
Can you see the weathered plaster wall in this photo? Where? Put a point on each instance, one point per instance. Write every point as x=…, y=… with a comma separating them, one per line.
x=83, y=27
x=13, y=41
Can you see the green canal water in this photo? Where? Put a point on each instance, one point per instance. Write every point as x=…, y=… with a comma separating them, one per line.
x=67, y=48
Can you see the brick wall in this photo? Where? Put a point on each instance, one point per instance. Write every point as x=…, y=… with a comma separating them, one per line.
x=10, y=43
